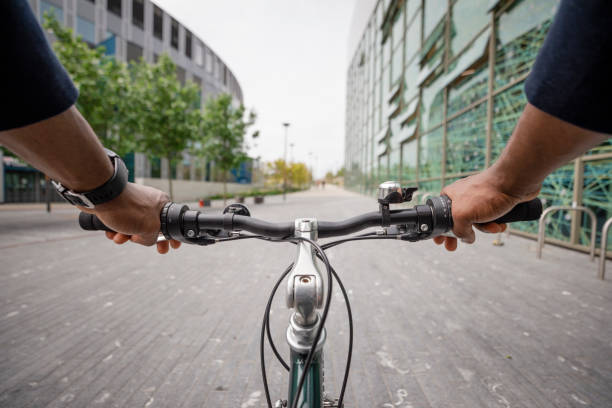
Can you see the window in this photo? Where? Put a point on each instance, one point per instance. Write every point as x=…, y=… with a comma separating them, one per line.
x=134, y=52
x=158, y=23
x=138, y=13
x=86, y=29
x=199, y=55
x=174, y=34
x=48, y=7
x=209, y=62
x=224, y=75
x=114, y=6
x=188, y=44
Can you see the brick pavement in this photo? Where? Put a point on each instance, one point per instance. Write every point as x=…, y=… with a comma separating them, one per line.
x=84, y=322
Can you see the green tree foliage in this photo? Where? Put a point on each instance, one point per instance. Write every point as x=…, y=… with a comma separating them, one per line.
x=168, y=112
x=103, y=84
x=222, y=134
x=298, y=175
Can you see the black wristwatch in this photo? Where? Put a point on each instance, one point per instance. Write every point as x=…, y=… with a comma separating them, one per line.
x=105, y=193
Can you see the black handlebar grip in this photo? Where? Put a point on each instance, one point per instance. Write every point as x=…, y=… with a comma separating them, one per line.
x=527, y=211
x=90, y=222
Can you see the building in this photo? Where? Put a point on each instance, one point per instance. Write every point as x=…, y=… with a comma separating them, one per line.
x=131, y=29
x=434, y=89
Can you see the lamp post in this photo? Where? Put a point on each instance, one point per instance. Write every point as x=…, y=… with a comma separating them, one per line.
x=286, y=125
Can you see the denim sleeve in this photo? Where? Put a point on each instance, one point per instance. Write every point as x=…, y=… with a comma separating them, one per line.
x=572, y=76
x=35, y=86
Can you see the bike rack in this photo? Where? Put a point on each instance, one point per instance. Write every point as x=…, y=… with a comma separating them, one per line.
x=579, y=208
x=602, y=253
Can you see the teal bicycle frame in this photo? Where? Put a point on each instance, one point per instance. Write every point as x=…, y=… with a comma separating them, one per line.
x=305, y=288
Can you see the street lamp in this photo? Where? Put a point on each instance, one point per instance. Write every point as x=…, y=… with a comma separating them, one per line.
x=286, y=125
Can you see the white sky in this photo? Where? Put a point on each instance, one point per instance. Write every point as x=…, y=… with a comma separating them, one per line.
x=290, y=58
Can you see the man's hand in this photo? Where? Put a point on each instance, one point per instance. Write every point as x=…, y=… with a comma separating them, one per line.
x=134, y=214
x=539, y=144
x=476, y=201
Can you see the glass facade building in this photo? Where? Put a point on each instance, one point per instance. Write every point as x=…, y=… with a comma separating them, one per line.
x=434, y=90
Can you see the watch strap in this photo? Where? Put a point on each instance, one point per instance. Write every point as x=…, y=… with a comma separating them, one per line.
x=105, y=193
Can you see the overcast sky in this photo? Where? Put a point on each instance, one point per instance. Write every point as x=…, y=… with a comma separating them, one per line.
x=290, y=57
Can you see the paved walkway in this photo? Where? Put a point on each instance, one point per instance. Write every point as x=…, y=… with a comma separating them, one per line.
x=86, y=323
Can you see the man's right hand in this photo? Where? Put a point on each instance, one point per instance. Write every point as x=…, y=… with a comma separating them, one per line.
x=476, y=201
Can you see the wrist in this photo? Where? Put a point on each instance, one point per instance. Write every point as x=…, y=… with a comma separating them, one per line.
x=509, y=180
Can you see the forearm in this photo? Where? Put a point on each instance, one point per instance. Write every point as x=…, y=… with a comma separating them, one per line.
x=65, y=148
x=539, y=144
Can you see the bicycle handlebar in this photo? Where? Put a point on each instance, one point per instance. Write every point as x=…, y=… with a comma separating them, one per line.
x=420, y=222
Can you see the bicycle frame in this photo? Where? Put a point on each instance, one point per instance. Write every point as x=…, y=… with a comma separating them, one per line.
x=305, y=295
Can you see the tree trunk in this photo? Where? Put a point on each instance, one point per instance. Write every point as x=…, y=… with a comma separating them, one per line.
x=224, y=188
x=170, y=179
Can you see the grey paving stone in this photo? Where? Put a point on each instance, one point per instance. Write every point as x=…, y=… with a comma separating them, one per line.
x=84, y=322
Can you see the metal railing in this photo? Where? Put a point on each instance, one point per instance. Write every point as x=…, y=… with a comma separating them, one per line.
x=604, y=245
x=549, y=210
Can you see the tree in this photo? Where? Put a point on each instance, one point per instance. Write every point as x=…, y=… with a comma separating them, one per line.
x=104, y=86
x=168, y=112
x=299, y=175
x=222, y=134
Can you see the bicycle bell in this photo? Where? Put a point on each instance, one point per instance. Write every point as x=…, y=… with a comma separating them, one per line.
x=391, y=192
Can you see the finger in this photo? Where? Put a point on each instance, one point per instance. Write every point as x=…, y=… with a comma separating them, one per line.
x=464, y=231
x=110, y=234
x=175, y=244
x=147, y=240
x=450, y=244
x=162, y=247
x=120, y=238
x=439, y=240
x=489, y=228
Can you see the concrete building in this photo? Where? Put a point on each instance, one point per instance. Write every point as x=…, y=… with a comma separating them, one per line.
x=131, y=29
x=434, y=90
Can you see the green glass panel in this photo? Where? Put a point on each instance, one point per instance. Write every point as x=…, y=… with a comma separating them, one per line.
x=431, y=186
x=507, y=107
x=451, y=180
x=398, y=28
x=409, y=160
x=467, y=19
x=383, y=168
x=397, y=65
x=411, y=7
x=432, y=104
x=597, y=195
x=430, y=154
x=472, y=88
x=413, y=38
x=557, y=189
x=411, y=75
x=386, y=53
x=520, y=31
x=394, y=164
x=466, y=141
x=434, y=11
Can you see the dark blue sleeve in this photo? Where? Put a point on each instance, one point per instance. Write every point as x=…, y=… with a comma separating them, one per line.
x=572, y=76
x=35, y=86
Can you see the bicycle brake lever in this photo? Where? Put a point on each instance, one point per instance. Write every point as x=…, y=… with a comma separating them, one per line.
x=197, y=241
